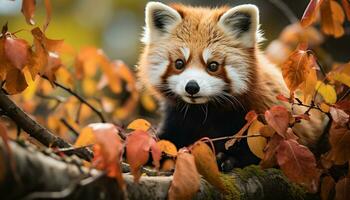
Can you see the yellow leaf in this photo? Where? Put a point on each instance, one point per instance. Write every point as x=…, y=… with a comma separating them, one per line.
x=89, y=86
x=343, y=75
x=86, y=137
x=29, y=92
x=148, y=102
x=167, y=147
x=139, y=124
x=256, y=144
x=324, y=107
x=327, y=92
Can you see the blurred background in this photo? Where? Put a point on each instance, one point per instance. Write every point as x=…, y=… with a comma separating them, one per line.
x=116, y=25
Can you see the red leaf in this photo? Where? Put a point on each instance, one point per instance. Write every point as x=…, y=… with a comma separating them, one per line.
x=298, y=164
x=310, y=13
x=138, y=145
x=17, y=52
x=339, y=139
x=156, y=154
x=278, y=118
x=269, y=159
x=281, y=97
x=108, y=150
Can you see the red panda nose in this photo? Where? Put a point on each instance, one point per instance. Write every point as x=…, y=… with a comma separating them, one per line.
x=192, y=87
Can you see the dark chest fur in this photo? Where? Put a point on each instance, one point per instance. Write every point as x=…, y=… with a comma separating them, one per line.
x=183, y=127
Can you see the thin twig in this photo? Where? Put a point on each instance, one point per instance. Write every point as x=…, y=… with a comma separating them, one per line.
x=78, y=114
x=345, y=95
x=71, y=149
x=285, y=10
x=80, y=98
x=236, y=137
x=76, y=133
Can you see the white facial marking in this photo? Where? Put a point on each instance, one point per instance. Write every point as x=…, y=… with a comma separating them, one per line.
x=156, y=71
x=186, y=52
x=209, y=85
x=206, y=55
x=239, y=79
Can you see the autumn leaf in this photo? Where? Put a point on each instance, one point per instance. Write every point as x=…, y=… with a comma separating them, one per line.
x=310, y=14
x=341, y=74
x=342, y=189
x=86, y=137
x=299, y=71
x=298, y=164
x=332, y=18
x=269, y=159
x=28, y=9
x=15, y=81
x=17, y=52
x=283, y=98
x=186, y=180
x=167, y=147
x=139, y=124
x=327, y=185
x=267, y=131
x=278, y=118
x=327, y=92
x=138, y=145
x=346, y=6
x=256, y=144
x=206, y=164
x=339, y=139
x=48, y=8
x=168, y=165
x=339, y=116
x=250, y=117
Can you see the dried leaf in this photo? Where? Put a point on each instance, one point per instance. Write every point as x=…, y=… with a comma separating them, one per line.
x=327, y=185
x=298, y=164
x=324, y=107
x=15, y=81
x=256, y=144
x=300, y=66
x=167, y=147
x=17, y=52
x=138, y=145
x=86, y=137
x=156, y=154
x=346, y=6
x=28, y=9
x=48, y=8
x=269, y=159
x=339, y=139
x=267, y=131
x=278, y=118
x=139, y=124
x=310, y=13
x=327, y=92
x=339, y=116
x=332, y=18
x=186, y=180
x=342, y=189
x=250, y=117
x=206, y=164
x=341, y=74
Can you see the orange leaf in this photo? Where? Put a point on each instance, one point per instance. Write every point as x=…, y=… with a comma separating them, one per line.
x=108, y=150
x=297, y=69
x=138, y=145
x=298, y=164
x=17, y=52
x=269, y=159
x=256, y=144
x=250, y=117
x=206, y=164
x=332, y=18
x=346, y=6
x=186, y=180
x=167, y=147
x=48, y=8
x=28, y=9
x=15, y=81
x=278, y=118
x=139, y=124
x=310, y=13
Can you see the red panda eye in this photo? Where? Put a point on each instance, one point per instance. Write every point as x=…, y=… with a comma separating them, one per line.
x=179, y=64
x=213, y=66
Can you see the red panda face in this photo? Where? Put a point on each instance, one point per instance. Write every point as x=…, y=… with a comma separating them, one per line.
x=199, y=54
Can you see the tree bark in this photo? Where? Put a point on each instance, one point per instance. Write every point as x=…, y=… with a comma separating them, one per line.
x=39, y=176
x=35, y=130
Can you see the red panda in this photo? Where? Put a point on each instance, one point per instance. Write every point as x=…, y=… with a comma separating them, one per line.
x=205, y=67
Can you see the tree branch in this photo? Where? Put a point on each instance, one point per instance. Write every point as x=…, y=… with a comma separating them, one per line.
x=34, y=129
x=80, y=98
x=70, y=181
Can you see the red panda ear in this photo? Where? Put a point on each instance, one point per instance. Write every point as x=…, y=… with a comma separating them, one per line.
x=160, y=19
x=242, y=22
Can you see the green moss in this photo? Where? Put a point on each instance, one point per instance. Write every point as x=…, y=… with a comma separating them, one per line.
x=232, y=190
x=250, y=171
